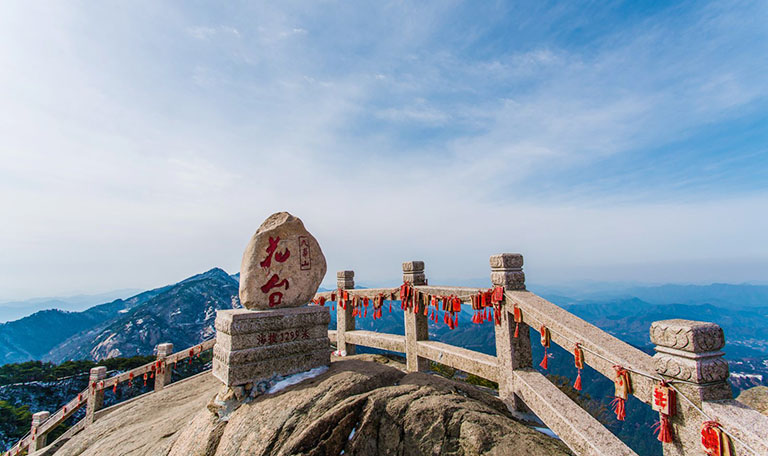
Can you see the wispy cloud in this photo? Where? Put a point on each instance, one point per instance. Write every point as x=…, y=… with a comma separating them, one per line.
x=141, y=147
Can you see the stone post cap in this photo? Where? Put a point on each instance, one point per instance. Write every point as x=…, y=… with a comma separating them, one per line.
x=39, y=417
x=345, y=275
x=98, y=373
x=413, y=266
x=507, y=271
x=687, y=335
x=164, y=349
x=507, y=261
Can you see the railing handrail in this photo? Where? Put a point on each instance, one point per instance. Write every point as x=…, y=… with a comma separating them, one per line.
x=596, y=355
x=603, y=352
x=78, y=401
x=511, y=367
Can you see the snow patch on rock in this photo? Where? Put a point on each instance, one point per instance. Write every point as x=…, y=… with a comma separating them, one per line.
x=296, y=378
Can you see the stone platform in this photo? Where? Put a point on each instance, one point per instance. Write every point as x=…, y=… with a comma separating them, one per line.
x=255, y=345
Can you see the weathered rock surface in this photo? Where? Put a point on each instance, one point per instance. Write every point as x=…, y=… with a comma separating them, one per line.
x=146, y=426
x=756, y=397
x=364, y=405
x=282, y=265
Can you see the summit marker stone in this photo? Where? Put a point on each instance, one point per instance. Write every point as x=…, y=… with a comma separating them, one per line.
x=282, y=266
x=277, y=334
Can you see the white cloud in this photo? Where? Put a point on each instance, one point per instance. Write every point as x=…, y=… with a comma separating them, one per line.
x=136, y=152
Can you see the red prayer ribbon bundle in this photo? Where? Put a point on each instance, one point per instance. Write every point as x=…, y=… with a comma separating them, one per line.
x=714, y=441
x=623, y=388
x=578, y=361
x=664, y=402
x=545, y=341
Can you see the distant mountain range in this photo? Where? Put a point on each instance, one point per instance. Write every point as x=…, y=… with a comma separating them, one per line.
x=182, y=313
x=733, y=296
x=12, y=310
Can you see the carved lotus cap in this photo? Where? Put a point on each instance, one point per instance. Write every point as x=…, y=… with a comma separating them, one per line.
x=282, y=266
x=687, y=335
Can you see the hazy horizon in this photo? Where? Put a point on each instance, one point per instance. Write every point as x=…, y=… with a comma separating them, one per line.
x=577, y=286
x=141, y=143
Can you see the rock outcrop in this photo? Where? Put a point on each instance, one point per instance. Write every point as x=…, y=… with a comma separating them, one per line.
x=363, y=405
x=756, y=397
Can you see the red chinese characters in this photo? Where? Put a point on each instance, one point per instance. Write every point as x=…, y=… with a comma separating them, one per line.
x=275, y=297
x=280, y=257
x=304, y=261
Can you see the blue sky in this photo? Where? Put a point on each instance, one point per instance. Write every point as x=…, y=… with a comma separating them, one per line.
x=141, y=143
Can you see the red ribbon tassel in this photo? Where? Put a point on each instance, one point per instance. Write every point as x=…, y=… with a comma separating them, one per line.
x=619, y=408
x=545, y=340
x=578, y=361
x=664, y=429
x=145, y=379
x=714, y=440
x=114, y=388
x=518, y=314
x=130, y=380
x=664, y=402
x=577, y=383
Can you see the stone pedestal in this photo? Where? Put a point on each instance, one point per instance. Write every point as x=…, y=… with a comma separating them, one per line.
x=690, y=351
x=256, y=345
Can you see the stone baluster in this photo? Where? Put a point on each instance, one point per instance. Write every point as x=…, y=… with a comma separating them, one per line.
x=690, y=351
x=512, y=353
x=95, y=395
x=38, y=440
x=345, y=280
x=416, y=328
x=163, y=373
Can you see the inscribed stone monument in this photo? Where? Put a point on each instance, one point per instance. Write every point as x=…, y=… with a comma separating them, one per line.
x=277, y=334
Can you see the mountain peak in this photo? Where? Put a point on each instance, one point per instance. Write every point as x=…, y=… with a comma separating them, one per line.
x=214, y=273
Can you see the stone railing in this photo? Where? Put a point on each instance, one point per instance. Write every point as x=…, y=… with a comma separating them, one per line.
x=93, y=397
x=688, y=358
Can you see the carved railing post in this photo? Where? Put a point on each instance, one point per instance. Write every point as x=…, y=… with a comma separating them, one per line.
x=163, y=371
x=95, y=395
x=416, y=328
x=511, y=352
x=690, y=351
x=345, y=280
x=38, y=440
